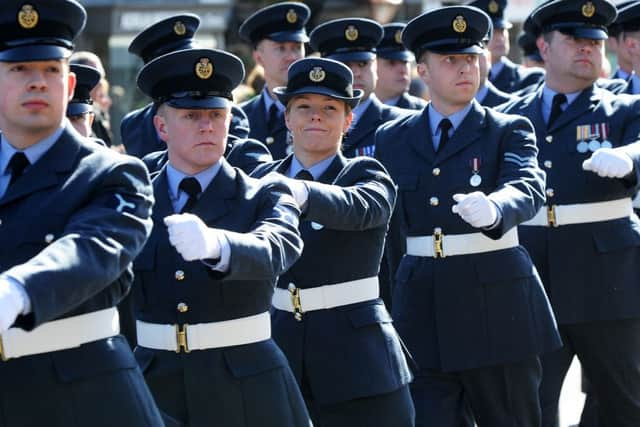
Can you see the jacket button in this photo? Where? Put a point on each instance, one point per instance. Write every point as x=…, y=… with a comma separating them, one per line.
x=434, y=201
x=48, y=238
x=550, y=192
x=435, y=171
x=269, y=140
x=183, y=308
x=548, y=164
x=179, y=275
x=549, y=138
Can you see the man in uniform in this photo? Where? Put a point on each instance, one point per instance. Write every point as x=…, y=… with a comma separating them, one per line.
x=504, y=74
x=73, y=216
x=467, y=300
x=205, y=279
x=489, y=95
x=628, y=23
x=277, y=35
x=615, y=44
x=394, y=70
x=80, y=109
x=353, y=41
x=585, y=242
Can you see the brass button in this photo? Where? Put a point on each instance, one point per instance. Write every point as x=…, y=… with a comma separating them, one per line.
x=48, y=238
x=434, y=201
x=550, y=192
x=548, y=164
x=269, y=140
x=435, y=171
x=549, y=138
x=183, y=308
x=291, y=287
x=179, y=275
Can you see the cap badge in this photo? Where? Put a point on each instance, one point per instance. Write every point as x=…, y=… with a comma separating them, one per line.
x=292, y=16
x=493, y=6
x=351, y=33
x=317, y=74
x=179, y=28
x=588, y=9
x=459, y=24
x=204, y=68
x=398, y=37
x=28, y=17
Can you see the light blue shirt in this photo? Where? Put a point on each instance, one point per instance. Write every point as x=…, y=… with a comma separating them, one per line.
x=392, y=101
x=269, y=101
x=547, y=101
x=316, y=170
x=33, y=153
x=622, y=74
x=635, y=84
x=179, y=199
x=434, y=121
x=495, y=69
x=482, y=93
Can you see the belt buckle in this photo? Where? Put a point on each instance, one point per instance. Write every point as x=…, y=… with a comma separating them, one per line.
x=438, y=249
x=181, y=338
x=551, y=216
x=295, y=300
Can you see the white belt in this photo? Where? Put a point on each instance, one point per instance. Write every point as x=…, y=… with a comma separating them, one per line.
x=60, y=334
x=201, y=336
x=298, y=301
x=557, y=215
x=440, y=245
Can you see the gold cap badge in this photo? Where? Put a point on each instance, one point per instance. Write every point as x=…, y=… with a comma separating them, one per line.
x=204, y=69
x=179, y=28
x=398, y=37
x=28, y=17
x=459, y=24
x=351, y=33
x=317, y=74
x=493, y=6
x=292, y=16
x=588, y=9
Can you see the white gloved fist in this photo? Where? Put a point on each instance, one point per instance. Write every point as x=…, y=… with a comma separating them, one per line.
x=609, y=163
x=192, y=238
x=298, y=188
x=476, y=209
x=11, y=303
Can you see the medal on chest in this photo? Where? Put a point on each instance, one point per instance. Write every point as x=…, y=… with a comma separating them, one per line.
x=475, y=180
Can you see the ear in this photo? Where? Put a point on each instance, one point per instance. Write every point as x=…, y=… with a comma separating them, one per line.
x=257, y=57
x=543, y=47
x=72, y=85
x=161, y=127
x=423, y=71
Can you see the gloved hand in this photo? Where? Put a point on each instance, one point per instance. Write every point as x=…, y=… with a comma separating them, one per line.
x=298, y=188
x=192, y=238
x=609, y=163
x=476, y=209
x=11, y=303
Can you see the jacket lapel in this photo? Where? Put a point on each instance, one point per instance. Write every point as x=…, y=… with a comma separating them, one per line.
x=466, y=134
x=585, y=103
x=421, y=141
x=214, y=201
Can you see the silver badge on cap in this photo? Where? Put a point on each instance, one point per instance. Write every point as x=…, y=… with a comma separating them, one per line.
x=317, y=74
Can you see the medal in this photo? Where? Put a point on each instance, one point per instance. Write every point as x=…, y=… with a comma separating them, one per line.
x=582, y=133
x=582, y=147
x=605, y=134
x=606, y=144
x=475, y=179
x=594, y=144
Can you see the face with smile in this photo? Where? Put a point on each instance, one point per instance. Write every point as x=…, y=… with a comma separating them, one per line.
x=34, y=99
x=196, y=138
x=317, y=123
x=453, y=79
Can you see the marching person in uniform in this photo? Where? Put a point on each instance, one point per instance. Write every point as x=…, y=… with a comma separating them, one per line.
x=585, y=241
x=394, y=70
x=488, y=95
x=504, y=74
x=328, y=318
x=277, y=35
x=80, y=109
x=353, y=41
x=467, y=300
x=204, y=281
x=73, y=215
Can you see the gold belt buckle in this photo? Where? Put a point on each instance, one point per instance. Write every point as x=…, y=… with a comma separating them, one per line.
x=295, y=300
x=181, y=338
x=551, y=215
x=438, y=250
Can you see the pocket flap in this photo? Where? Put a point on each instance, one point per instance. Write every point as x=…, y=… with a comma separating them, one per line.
x=516, y=264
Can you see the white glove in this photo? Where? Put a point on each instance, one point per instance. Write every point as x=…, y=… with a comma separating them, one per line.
x=476, y=209
x=192, y=238
x=609, y=163
x=11, y=303
x=298, y=188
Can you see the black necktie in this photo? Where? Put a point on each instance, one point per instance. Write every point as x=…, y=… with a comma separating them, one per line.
x=273, y=123
x=304, y=175
x=444, y=126
x=17, y=165
x=556, y=109
x=191, y=186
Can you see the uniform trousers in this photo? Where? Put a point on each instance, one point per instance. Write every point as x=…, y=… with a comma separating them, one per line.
x=496, y=396
x=609, y=352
